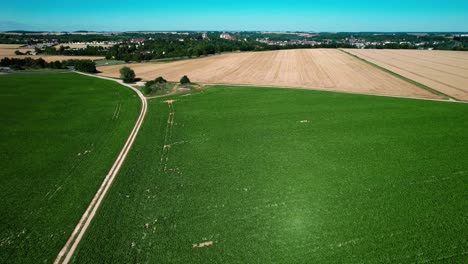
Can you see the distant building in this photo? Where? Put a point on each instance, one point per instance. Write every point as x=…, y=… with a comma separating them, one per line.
x=226, y=36
x=137, y=40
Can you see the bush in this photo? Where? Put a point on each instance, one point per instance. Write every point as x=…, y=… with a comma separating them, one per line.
x=147, y=90
x=88, y=66
x=149, y=84
x=184, y=80
x=160, y=80
x=127, y=74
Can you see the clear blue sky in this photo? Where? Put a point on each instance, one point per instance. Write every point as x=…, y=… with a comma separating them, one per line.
x=305, y=15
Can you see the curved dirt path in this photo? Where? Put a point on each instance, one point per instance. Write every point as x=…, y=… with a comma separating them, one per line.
x=67, y=251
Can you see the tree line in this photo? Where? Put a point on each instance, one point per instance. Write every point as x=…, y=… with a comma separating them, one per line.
x=88, y=66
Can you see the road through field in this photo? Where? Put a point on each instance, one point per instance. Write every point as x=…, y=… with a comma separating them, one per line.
x=325, y=69
x=67, y=251
x=445, y=71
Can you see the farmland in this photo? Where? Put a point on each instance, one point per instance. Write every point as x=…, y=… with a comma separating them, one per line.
x=60, y=134
x=259, y=175
x=8, y=50
x=309, y=68
x=445, y=71
x=49, y=58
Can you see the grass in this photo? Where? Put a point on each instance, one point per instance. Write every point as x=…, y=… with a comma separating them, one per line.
x=418, y=84
x=288, y=176
x=60, y=134
x=44, y=70
x=104, y=62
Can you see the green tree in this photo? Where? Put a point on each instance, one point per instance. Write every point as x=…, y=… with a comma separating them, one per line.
x=184, y=80
x=160, y=80
x=147, y=90
x=127, y=74
x=88, y=66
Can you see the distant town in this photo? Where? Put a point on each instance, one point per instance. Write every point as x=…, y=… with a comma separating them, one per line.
x=145, y=46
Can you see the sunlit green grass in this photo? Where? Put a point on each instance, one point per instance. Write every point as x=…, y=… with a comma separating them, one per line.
x=59, y=135
x=289, y=176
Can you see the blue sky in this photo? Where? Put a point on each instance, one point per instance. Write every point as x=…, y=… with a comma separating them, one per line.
x=304, y=15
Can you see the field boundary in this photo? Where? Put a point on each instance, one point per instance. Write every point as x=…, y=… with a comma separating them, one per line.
x=209, y=85
x=68, y=250
x=418, y=84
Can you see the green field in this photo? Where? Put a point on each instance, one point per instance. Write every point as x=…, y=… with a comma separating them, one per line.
x=59, y=135
x=258, y=175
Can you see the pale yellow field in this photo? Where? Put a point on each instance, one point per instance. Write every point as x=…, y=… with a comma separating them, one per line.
x=8, y=50
x=10, y=46
x=445, y=71
x=325, y=69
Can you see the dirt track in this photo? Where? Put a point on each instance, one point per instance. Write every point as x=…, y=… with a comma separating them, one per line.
x=445, y=71
x=326, y=69
x=67, y=251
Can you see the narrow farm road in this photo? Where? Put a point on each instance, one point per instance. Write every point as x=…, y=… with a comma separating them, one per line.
x=68, y=250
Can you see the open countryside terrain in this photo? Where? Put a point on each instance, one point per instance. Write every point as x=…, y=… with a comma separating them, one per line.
x=8, y=50
x=60, y=135
x=259, y=175
x=49, y=58
x=81, y=45
x=326, y=69
x=445, y=71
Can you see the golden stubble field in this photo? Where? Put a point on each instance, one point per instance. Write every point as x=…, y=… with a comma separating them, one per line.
x=445, y=71
x=8, y=50
x=325, y=69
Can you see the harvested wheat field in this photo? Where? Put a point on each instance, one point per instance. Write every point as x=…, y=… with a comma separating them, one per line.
x=8, y=50
x=53, y=58
x=445, y=71
x=324, y=69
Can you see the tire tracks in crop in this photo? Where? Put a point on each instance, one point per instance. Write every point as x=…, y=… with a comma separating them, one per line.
x=68, y=250
x=168, y=135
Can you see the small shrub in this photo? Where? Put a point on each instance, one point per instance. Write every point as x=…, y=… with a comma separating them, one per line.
x=160, y=80
x=149, y=84
x=147, y=90
x=184, y=80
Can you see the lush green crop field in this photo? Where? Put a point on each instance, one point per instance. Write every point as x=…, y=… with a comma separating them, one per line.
x=59, y=136
x=258, y=175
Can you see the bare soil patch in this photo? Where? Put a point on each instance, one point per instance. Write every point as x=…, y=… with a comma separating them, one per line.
x=203, y=244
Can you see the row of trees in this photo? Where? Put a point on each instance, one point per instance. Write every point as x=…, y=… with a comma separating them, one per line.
x=128, y=76
x=66, y=51
x=88, y=66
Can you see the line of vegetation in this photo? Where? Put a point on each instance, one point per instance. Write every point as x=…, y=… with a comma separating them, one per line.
x=87, y=66
x=420, y=85
x=160, y=86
